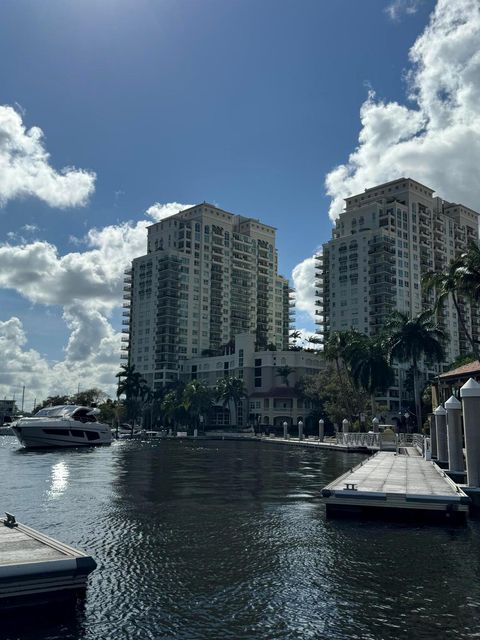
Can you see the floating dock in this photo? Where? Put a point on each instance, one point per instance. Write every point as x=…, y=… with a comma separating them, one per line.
x=406, y=484
x=36, y=569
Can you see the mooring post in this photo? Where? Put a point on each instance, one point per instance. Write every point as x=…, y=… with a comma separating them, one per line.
x=345, y=425
x=454, y=434
x=470, y=395
x=285, y=430
x=300, y=430
x=433, y=434
x=321, y=429
x=441, y=424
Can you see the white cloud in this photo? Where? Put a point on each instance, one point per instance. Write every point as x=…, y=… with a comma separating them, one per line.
x=87, y=285
x=25, y=168
x=399, y=7
x=26, y=367
x=303, y=276
x=30, y=228
x=159, y=211
x=435, y=139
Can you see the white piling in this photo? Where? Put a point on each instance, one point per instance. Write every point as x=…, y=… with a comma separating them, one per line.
x=441, y=423
x=454, y=434
x=433, y=434
x=375, y=423
x=470, y=395
x=300, y=430
x=345, y=425
x=321, y=430
x=285, y=430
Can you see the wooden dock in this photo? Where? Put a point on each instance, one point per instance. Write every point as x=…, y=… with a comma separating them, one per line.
x=36, y=569
x=407, y=484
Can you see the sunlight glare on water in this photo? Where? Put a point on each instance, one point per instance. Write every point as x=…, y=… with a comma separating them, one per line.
x=217, y=540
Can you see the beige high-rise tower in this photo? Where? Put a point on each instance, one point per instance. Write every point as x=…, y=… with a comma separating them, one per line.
x=384, y=241
x=208, y=275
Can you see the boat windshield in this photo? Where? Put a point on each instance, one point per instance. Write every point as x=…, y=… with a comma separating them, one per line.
x=55, y=412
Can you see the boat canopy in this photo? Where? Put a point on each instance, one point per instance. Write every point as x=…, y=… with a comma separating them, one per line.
x=66, y=411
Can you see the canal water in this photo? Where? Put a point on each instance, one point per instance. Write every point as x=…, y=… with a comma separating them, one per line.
x=229, y=540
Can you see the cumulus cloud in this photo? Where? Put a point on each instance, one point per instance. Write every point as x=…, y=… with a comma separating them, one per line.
x=158, y=211
x=303, y=276
x=435, y=137
x=25, y=168
x=27, y=367
x=87, y=285
x=397, y=8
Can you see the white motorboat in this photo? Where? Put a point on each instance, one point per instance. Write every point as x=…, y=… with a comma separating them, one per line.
x=62, y=426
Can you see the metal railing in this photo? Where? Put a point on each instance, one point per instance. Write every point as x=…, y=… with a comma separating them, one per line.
x=416, y=440
x=368, y=440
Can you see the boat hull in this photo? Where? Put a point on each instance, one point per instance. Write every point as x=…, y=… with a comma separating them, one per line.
x=69, y=433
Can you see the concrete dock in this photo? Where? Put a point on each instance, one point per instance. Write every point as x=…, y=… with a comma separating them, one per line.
x=407, y=484
x=36, y=569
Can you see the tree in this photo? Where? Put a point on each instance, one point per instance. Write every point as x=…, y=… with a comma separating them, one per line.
x=88, y=397
x=468, y=271
x=294, y=336
x=131, y=384
x=54, y=401
x=446, y=285
x=314, y=339
x=413, y=340
x=333, y=397
x=231, y=391
x=283, y=372
x=369, y=366
x=197, y=401
x=339, y=349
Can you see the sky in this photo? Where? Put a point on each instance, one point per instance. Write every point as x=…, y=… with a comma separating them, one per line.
x=117, y=113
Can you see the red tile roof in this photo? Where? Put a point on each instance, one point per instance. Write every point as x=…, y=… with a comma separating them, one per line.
x=471, y=368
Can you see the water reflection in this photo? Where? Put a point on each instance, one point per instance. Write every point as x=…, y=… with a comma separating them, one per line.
x=230, y=540
x=59, y=479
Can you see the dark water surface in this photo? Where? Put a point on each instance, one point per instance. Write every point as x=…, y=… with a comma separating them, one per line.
x=222, y=540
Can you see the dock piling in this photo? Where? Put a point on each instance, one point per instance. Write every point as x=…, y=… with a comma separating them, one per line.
x=440, y=416
x=321, y=430
x=454, y=434
x=470, y=395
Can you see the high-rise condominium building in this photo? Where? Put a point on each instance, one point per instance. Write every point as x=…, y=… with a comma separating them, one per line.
x=208, y=275
x=383, y=242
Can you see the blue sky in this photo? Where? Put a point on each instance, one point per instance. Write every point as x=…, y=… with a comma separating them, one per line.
x=248, y=104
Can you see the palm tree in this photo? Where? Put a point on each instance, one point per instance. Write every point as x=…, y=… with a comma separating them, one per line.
x=197, y=400
x=294, y=336
x=468, y=271
x=130, y=384
x=370, y=368
x=231, y=390
x=413, y=340
x=314, y=339
x=339, y=349
x=283, y=372
x=445, y=285
x=170, y=407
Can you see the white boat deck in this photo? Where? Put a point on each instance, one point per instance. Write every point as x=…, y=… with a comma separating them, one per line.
x=387, y=480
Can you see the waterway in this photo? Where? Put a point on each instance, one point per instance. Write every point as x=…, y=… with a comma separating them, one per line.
x=229, y=540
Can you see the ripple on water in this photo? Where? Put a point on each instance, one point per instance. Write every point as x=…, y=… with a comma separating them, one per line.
x=229, y=540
